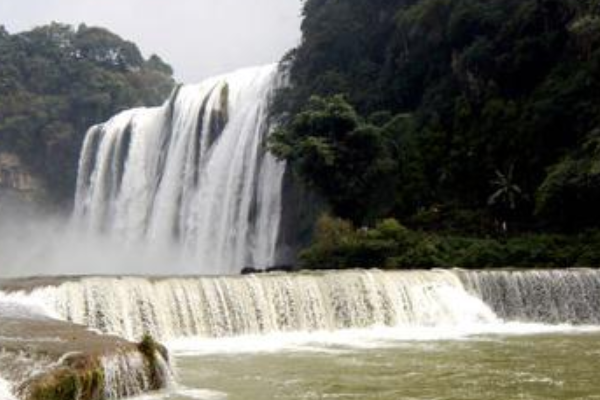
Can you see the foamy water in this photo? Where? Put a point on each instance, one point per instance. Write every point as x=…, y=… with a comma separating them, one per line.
x=321, y=318
x=5, y=390
x=22, y=305
x=361, y=339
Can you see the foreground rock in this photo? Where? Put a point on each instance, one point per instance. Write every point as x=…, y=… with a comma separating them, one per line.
x=53, y=360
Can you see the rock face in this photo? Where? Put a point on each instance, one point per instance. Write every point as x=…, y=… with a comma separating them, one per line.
x=17, y=181
x=46, y=359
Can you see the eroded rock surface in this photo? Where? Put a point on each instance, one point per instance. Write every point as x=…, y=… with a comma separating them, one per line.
x=46, y=359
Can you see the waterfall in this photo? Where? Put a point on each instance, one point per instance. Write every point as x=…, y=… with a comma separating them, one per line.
x=250, y=305
x=230, y=306
x=193, y=173
x=553, y=297
x=126, y=375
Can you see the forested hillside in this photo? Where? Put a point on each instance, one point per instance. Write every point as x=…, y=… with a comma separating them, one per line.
x=470, y=117
x=55, y=82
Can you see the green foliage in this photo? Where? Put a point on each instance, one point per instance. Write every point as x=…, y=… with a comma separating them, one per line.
x=571, y=192
x=56, y=81
x=389, y=245
x=464, y=93
x=344, y=158
x=151, y=350
x=83, y=382
x=338, y=245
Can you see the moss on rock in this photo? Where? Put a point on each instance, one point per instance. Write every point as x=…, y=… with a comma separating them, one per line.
x=151, y=350
x=83, y=379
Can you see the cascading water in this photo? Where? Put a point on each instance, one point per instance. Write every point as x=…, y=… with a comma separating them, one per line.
x=234, y=306
x=194, y=172
x=553, y=297
x=415, y=304
x=125, y=375
x=212, y=307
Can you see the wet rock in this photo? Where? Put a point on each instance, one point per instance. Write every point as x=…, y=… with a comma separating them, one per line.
x=47, y=359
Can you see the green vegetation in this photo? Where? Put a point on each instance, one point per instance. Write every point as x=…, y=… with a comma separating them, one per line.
x=55, y=82
x=343, y=157
x=467, y=118
x=150, y=349
x=84, y=381
x=389, y=245
x=81, y=377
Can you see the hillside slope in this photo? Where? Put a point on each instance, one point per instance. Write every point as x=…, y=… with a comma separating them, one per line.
x=55, y=82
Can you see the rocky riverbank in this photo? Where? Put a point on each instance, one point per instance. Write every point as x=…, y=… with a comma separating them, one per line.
x=45, y=359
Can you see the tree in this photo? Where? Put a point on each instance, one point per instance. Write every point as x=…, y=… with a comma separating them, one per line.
x=344, y=158
x=570, y=194
x=55, y=82
x=506, y=196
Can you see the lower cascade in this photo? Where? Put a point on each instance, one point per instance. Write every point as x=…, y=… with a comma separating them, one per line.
x=552, y=297
x=193, y=173
x=211, y=307
x=234, y=306
x=126, y=375
x=429, y=304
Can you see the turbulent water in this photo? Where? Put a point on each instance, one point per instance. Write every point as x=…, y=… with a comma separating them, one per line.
x=236, y=306
x=193, y=174
x=561, y=366
x=194, y=178
x=217, y=307
x=125, y=375
x=349, y=316
x=5, y=390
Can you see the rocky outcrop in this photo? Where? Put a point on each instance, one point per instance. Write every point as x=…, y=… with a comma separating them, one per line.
x=17, y=182
x=53, y=360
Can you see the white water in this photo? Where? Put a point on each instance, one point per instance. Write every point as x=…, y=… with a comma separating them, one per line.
x=331, y=312
x=5, y=390
x=22, y=305
x=125, y=375
x=193, y=174
x=552, y=297
x=286, y=309
x=256, y=305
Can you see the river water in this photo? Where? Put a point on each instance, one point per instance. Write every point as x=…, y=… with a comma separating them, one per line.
x=368, y=335
x=536, y=366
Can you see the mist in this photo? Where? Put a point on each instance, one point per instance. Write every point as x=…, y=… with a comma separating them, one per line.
x=34, y=243
x=199, y=38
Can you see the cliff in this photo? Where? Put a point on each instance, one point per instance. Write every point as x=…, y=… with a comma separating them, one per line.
x=17, y=182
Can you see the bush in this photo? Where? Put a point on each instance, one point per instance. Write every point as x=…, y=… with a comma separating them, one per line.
x=390, y=245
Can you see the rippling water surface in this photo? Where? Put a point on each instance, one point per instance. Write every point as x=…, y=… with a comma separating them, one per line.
x=488, y=367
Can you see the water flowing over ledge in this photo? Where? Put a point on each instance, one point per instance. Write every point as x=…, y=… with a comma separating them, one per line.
x=193, y=174
x=552, y=297
x=43, y=358
x=220, y=307
x=250, y=313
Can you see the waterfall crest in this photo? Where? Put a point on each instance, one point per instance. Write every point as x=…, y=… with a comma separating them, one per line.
x=230, y=306
x=250, y=305
x=553, y=297
x=194, y=172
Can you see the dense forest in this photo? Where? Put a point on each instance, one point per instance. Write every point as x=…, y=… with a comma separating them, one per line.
x=439, y=133
x=57, y=81
x=476, y=123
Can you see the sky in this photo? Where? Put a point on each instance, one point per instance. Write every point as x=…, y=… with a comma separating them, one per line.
x=199, y=38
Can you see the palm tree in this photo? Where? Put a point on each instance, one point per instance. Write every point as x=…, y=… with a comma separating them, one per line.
x=506, y=194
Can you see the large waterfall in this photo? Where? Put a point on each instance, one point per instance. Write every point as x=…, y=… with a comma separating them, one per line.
x=211, y=307
x=193, y=173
